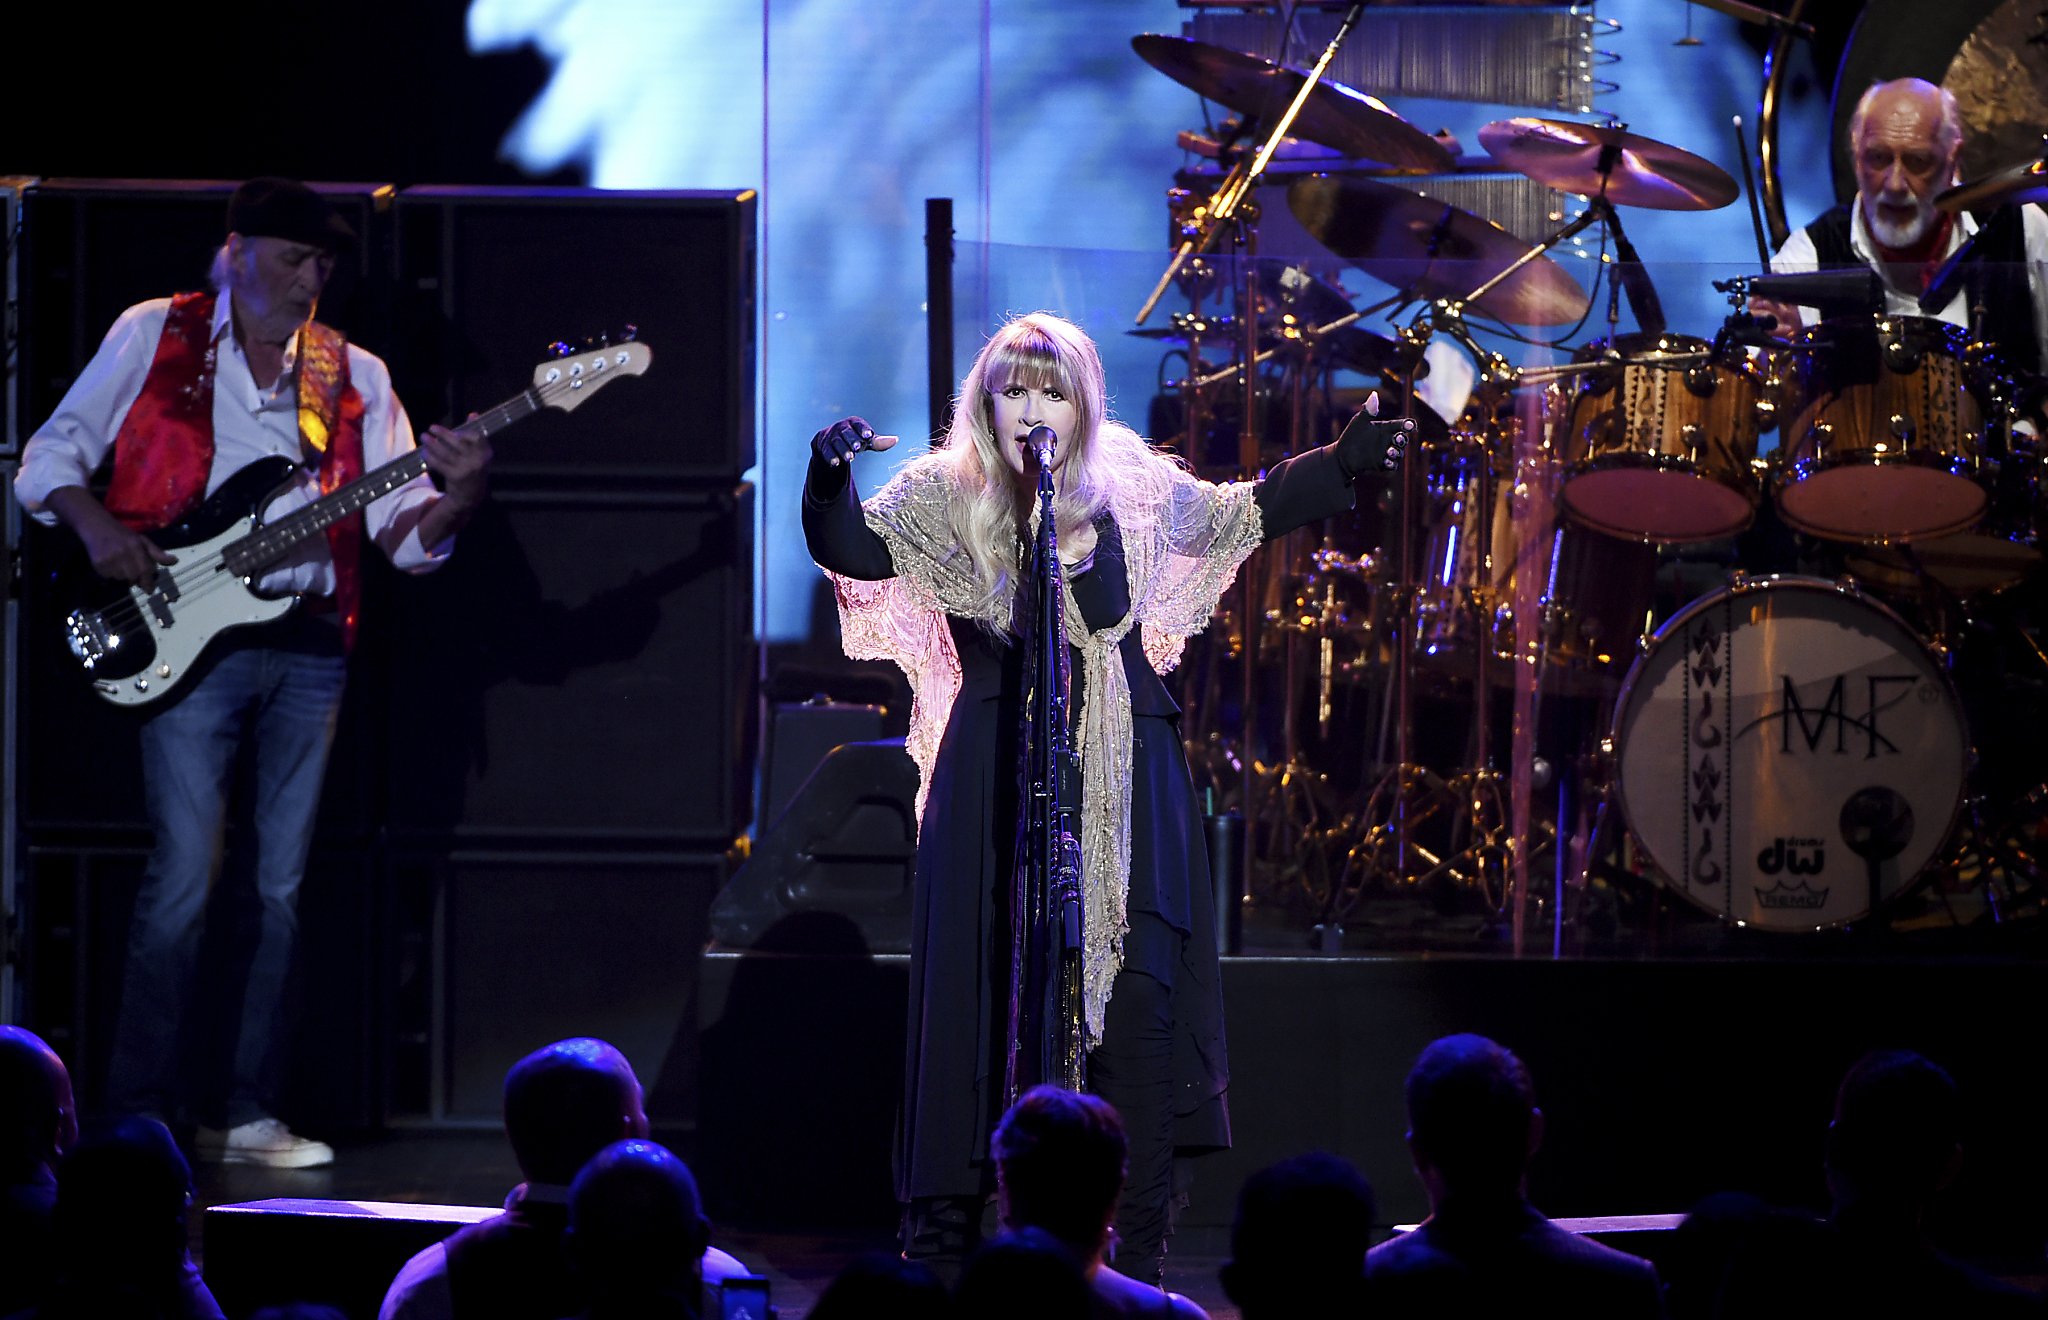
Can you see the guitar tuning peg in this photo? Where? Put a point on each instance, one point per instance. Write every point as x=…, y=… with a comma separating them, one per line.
x=631, y=335
x=560, y=349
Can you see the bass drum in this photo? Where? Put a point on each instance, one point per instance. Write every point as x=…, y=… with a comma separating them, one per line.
x=1754, y=718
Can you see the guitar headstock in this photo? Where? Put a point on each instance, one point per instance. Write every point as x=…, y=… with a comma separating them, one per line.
x=565, y=381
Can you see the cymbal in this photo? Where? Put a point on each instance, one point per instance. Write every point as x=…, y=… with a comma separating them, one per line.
x=2024, y=182
x=1432, y=249
x=1366, y=351
x=1630, y=169
x=1336, y=116
x=1290, y=289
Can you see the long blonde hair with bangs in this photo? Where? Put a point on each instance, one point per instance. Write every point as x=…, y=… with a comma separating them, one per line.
x=1107, y=465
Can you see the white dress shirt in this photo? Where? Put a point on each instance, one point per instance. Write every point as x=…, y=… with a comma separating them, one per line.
x=1798, y=255
x=249, y=423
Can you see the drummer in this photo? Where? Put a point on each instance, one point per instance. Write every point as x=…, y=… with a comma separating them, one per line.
x=1905, y=138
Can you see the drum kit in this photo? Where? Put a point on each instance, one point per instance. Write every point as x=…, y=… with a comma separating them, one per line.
x=1790, y=750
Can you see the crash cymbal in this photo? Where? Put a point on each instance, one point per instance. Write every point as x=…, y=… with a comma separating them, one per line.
x=1628, y=168
x=1336, y=116
x=2024, y=182
x=1431, y=249
x=1289, y=289
x=1365, y=351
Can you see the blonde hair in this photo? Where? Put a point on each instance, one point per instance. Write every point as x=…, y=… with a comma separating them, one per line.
x=1106, y=463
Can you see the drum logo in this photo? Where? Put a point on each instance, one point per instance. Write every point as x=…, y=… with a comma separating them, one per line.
x=1794, y=855
x=1793, y=897
x=1814, y=724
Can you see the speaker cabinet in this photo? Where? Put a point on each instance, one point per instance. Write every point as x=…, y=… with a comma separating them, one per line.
x=577, y=673
x=90, y=248
x=79, y=901
x=501, y=953
x=491, y=277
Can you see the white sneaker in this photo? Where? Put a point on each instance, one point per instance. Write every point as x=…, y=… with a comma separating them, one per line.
x=264, y=1141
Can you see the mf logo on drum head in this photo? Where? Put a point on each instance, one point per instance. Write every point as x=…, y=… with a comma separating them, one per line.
x=1881, y=693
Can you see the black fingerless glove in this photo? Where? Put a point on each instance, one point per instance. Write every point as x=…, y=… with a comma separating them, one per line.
x=1372, y=444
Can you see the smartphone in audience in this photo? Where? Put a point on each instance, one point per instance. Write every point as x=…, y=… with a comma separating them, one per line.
x=743, y=1297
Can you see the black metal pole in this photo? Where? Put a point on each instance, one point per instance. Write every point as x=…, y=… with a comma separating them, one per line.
x=938, y=301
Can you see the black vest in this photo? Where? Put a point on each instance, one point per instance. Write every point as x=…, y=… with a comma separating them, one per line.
x=2001, y=247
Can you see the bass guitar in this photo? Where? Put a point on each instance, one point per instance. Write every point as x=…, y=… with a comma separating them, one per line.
x=139, y=643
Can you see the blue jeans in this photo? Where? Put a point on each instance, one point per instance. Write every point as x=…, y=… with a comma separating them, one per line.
x=282, y=704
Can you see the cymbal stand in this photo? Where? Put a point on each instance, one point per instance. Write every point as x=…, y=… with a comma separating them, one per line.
x=1237, y=186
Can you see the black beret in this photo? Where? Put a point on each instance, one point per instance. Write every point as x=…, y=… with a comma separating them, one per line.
x=285, y=208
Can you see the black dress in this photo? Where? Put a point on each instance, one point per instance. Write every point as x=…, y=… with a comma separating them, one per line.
x=1162, y=1060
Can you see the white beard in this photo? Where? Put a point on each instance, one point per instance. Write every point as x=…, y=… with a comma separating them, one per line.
x=1899, y=235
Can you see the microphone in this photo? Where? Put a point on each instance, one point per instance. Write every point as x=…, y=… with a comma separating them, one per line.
x=1042, y=439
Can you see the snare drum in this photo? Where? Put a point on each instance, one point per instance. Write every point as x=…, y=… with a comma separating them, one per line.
x=1753, y=718
x=1889, y=429
x=1659, y=441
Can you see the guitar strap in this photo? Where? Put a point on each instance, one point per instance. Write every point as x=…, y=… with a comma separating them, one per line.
x=163, y=452
x=331, y=425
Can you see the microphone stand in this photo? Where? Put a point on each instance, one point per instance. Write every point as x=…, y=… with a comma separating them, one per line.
x=1047, y=1029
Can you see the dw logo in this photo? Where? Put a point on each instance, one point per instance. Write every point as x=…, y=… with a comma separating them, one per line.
x=1795, y=856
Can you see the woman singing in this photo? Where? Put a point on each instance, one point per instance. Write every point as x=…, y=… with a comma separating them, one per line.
x=928, y=574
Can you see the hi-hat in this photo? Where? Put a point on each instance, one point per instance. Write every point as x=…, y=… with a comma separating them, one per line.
x=1431, y=249
x=2011, y=186
x=1627, y=168
x=1336, y=116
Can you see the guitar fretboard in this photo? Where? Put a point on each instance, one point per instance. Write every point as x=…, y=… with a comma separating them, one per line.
x=271, y=542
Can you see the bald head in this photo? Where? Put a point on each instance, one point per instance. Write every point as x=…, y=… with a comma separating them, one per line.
x=1904, y=138
x=567, y=1101
x=38, y=1118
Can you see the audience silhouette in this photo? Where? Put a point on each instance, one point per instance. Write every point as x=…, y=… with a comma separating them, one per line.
x=564, y=1103
x=1893, y=1145
x=1028, y=1274
x=38, y=1122
x=637, y=1234
x=1297, y=1246
x=1473, y=1125
x=882, y=1283
x=1060, y=1162
x=120, y=1231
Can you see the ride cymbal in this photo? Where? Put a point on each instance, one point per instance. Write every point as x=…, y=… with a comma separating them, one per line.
x=1626, y=168
x=1335, y=115
x=2011, y=186
x=1431, y=249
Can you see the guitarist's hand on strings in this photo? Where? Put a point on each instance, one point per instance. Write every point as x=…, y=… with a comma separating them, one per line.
x=118, y=552
x=462, y=461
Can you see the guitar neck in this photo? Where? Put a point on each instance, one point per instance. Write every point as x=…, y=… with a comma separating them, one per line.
x=271, y=542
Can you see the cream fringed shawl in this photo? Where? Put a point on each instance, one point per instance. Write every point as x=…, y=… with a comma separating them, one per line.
x=1183, y=541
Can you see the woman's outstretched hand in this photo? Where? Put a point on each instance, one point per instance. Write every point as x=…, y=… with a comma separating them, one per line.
x=839, y=442
x=1371, y=443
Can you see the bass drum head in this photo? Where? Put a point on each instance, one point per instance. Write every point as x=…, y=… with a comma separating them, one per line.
x=1755, y=715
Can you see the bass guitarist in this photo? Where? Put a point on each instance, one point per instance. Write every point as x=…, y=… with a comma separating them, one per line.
x=184, y=393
